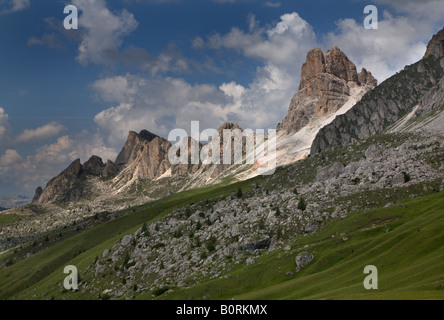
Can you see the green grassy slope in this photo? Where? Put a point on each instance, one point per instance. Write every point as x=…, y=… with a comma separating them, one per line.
x=46, y=267
x=405, y=242
x=8, y=218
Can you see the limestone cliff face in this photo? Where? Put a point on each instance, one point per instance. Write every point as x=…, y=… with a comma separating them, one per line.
x=58, y=187
x=134, y=140
x=37, y=194
x=94, y=166
x=326, y=82
x=389, y=102
x=435, y=47
x=145, y=155
x=110, y=169
x=68, y=185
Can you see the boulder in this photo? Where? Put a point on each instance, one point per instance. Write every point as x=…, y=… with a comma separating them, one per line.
x=330, y=172
x=302, y=260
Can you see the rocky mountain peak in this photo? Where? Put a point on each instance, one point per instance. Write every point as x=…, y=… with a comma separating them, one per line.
x=416, y=90
x=338, y=64
x=436, y=46
x=333, y=62
x=61, y=184
x=94, y=166
x=327, y=83
x=228, y=126
x=149, y=136
x=37, y=194
x=134, y=140
x=110, y=169
x=366, y=78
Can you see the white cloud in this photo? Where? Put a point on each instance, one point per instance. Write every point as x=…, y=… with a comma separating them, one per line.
x=278, y=45
x=161, y=104
x=16, y=5
x=282, y=49
x=115, y=88
x=44, y=132
x=101, y=41
x=156, y=104
x=4, y=125
x=425, y=10
x=198, y=43
x=271, y=4
x=397, y=42
x=10, y=157
x=232, y=89
x=66, y=149
x=104, y=31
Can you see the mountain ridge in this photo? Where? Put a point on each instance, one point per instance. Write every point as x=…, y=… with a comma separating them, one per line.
x=329, y=81
x=388, y=102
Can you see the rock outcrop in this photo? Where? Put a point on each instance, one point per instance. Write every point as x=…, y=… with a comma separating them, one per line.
x=435, y=47
x=94, y=166
x=110, y=169
x=145, y=155
x=61, y=187
x=37, y=194
x=134, y=140
x=70, y=184
x=387, y=103
x=302, y=260
x=326, y=83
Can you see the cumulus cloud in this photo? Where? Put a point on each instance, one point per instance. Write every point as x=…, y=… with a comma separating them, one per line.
x=426, y=10
x=101, y=38
x=9, y=157
x=281, y=48
x=157, y=104
x=44, y=132
x=271, y=4
x=232, y=89
x=397, y=42
x=16, y=5
x=281, y=44
x=104, y=31
x=161, y=104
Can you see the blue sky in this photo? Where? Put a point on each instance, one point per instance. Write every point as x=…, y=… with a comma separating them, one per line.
x=159, y=64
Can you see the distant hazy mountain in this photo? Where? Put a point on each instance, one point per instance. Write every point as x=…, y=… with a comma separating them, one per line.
x=13, y=201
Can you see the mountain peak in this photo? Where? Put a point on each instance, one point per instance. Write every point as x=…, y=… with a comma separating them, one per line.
x=395, y=104
x=436, y=46
x=134, y=139
x=327, y=82
x=228, y=126
x=145, y=134
x=333, y=62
